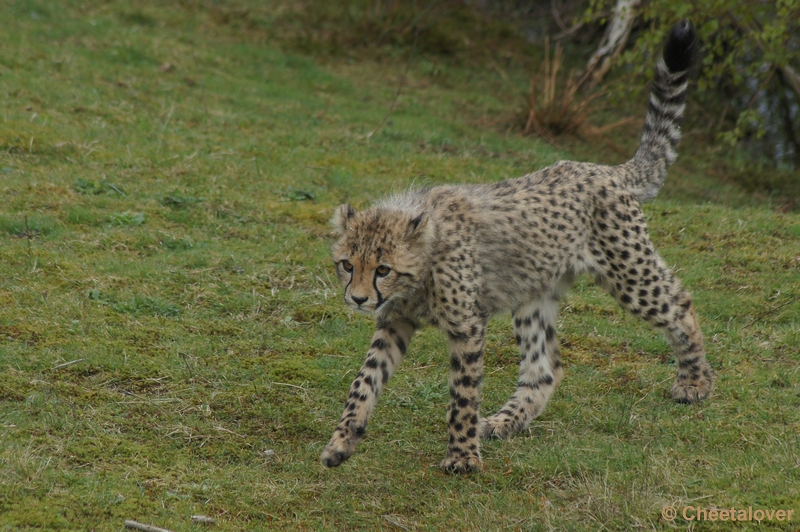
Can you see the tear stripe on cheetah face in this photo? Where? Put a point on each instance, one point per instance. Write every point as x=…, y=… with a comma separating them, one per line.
x=452, y=256
x=375, y=271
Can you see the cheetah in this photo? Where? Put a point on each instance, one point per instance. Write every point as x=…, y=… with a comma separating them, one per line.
x=452, y=256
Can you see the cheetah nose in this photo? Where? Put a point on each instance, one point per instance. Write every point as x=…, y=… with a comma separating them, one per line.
x=358, y=300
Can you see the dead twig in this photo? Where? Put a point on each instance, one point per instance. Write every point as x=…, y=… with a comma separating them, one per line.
x=146, y=528
x=592, y=130
x=28, y=236
x=394, y=102
x=557, y=16
x=399, y=89
x=223, y=429
x=773, y=310
x=503, y=75
x=66, y=364
x=394, y=522
x=568, y=32
x=116, y=189
x=291, y=386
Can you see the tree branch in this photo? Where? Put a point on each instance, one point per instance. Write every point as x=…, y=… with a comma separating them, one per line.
x=612, y=44
x=792, y=78
x=789, y=74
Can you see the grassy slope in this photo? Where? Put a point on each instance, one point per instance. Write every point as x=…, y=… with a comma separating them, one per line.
x=157, y=227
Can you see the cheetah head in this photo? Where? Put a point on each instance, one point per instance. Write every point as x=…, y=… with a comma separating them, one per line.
x=381, y=254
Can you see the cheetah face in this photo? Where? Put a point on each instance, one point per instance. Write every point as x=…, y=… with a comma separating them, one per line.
x=367, y=286
x=381, y=255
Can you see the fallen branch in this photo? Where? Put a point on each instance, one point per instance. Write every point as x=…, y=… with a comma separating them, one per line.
x=66, y=364
x=146, y=528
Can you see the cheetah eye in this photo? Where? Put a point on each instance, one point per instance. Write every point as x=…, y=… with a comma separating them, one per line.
x=348, y=267
x=382, y=271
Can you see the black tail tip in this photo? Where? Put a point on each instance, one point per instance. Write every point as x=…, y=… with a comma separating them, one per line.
x=680, y=47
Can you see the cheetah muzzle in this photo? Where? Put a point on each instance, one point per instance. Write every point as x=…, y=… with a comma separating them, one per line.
x=452, y=256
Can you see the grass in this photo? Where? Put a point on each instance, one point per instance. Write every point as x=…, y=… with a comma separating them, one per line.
x=168, y=311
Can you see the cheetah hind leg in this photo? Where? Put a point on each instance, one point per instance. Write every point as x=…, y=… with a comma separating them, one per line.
x=694, y=381
x=651, y=291
x=540, y=370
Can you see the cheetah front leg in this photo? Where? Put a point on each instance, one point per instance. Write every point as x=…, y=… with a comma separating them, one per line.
x=539, y=369
x=466, y=373
x=389, y=344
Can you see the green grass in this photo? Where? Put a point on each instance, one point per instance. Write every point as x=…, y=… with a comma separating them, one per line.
x=168, y=312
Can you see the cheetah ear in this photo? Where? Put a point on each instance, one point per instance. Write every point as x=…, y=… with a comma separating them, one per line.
x=341, y=216
x=420, y=228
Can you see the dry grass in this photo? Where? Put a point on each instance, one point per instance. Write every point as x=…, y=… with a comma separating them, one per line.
x=553, y=106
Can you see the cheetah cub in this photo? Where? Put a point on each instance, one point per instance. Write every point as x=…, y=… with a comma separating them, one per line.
x=452, y=256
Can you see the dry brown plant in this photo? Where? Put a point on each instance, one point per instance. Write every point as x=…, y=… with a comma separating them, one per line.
x=553, y=107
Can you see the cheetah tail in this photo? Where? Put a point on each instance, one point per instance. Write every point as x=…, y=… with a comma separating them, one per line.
x=662, y=130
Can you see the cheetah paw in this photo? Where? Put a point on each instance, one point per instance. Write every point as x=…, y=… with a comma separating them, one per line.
x=686, y=391
x=494, y=427
x=340, y=448
x=333, y=457
x=462, y=464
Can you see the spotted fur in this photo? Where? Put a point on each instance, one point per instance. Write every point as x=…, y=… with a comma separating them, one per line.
x=452, y=256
